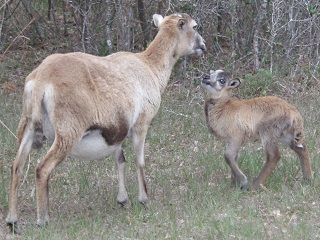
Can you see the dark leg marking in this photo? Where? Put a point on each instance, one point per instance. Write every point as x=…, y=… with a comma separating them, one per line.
x=121, y=158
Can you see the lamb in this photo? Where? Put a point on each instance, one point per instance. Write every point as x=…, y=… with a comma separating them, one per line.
x=270, y=119
x=87, y=105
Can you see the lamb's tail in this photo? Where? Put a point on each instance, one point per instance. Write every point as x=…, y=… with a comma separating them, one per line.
x=299, y=137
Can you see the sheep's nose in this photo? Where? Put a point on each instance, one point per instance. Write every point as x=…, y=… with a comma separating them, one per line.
x=203, y=48
x=205, y=77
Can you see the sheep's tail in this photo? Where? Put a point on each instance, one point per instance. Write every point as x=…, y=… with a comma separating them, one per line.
x=32, y=113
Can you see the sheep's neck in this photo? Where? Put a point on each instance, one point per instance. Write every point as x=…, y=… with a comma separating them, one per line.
x=161, y=56
x=211, y=102
x=214, y=102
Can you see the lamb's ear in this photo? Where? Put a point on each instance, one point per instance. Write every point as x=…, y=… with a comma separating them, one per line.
x=181, y=23
x=234, y=83
x=157, y=20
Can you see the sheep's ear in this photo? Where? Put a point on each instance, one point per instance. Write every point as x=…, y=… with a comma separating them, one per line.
x=211, y=72
x=181, y=23
x=234, y=83
x=157, y=20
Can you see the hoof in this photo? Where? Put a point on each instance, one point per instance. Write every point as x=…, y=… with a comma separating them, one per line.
x=255, y=186
x=13, y=227
x=308, y=178
x=244, y=185
x=122, y=199
x=12, y=221
x=42, y=223
x=123, y=203
x=144, y=204
x=143, y=199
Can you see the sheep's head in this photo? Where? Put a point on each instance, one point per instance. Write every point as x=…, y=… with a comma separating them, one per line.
x=183, y=26
x=219, y=84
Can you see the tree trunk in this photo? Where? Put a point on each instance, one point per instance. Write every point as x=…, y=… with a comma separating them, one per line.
x=109, y=20
x=260, y=16
x=2, y=15
x=143, y=22
x=49, y=9
x=65, y=28
x=219, y=17
x=28, y=7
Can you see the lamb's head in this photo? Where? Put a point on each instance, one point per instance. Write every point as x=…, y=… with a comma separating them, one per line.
x=184, y=28
x=218, y=83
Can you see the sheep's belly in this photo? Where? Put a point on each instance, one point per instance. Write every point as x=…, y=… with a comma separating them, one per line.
x=93, y=146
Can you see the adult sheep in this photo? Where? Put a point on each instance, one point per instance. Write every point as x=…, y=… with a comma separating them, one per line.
x=87, y=105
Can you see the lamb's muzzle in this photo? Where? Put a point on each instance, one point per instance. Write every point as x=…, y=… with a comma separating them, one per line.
x=205, y=79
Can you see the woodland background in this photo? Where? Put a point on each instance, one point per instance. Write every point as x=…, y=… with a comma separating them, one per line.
x=282, y=37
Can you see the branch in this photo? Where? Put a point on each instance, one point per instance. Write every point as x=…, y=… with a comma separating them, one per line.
x=3, y=5
x=21, y=33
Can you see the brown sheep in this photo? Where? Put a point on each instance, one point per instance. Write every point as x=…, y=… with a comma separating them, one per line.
x=87, y=105
x=270, y=119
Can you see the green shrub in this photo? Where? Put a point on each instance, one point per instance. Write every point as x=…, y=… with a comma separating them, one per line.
x=259, y=84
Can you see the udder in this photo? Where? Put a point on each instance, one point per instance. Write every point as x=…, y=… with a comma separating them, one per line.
x=93, y=146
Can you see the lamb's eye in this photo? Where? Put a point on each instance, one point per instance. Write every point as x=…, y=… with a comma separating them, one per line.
x=222, y=81
x=195, y=27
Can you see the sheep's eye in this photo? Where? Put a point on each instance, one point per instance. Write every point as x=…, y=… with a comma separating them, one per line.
x=222, y=81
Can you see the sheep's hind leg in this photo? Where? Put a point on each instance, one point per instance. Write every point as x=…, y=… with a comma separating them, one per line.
x=231, y=155
x=56, y=154
x=16, y=172
x=304, y=160
x=232, y=174
x=273, y=157
x=122, y=197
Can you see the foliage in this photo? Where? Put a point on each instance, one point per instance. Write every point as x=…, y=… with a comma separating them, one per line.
x=247, y=35
x=258, y=84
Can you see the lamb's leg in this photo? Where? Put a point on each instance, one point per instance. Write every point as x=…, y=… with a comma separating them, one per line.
x=231, y=155
x=121, y=163
x=232, y=174
x=273, y=157
x=304, y=160
x=16, y=172
x=138, y=143
x=56, y=154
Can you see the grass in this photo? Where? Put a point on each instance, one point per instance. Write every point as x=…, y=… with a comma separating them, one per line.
x=188, y=183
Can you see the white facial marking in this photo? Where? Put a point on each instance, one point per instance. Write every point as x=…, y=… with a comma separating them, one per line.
x=177, y=14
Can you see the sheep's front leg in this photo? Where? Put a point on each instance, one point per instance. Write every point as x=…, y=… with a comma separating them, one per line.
x=121, y=163
x=231, y=155
x=138, y=143
x=16, y=172
x=273, y=157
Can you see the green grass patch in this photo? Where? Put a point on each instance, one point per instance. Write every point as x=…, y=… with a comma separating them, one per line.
x=188, y=182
